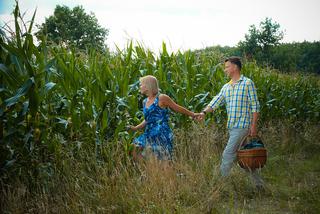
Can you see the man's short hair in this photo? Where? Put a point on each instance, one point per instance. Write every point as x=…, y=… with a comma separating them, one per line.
x=234, y=60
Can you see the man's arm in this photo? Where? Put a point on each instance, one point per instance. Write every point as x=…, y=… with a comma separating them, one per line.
x=215, y=103
x=255, y=107
x=254, y=124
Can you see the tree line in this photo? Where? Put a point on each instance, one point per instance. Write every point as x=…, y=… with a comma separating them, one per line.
x=263, y=45
x=76, y=29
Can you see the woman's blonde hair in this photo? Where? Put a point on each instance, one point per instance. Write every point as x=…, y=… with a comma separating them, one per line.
x=151, y=83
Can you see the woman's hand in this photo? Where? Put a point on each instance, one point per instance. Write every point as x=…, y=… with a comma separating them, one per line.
x=131, y=128
x=196, y=116
x=199, y=116
x=135, y=128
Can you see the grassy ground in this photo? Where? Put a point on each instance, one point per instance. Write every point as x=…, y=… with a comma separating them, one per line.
x=191, y=185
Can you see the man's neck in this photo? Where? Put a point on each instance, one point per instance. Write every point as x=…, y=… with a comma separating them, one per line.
x=235, y=77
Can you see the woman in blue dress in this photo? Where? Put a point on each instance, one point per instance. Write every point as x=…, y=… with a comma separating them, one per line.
x=157, y=136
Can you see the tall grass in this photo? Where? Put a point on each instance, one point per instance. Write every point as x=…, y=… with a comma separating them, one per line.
x=191, y=184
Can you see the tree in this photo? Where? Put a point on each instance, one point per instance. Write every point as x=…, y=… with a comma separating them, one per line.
x=259, y=41
x=297, y=56
x=73, y=28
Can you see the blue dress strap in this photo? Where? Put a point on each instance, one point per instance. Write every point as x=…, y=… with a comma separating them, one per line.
x=156, y=101
x=144, y=102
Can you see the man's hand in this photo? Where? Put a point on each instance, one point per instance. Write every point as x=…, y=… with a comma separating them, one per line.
x=200, y=116
x=195, y=116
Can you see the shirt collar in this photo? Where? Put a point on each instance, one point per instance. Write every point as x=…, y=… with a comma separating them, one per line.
x=239, y=80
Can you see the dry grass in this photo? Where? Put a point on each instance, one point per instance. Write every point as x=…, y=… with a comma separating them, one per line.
x=191, y=184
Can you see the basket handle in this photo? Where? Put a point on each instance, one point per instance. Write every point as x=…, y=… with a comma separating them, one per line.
x=243, y=140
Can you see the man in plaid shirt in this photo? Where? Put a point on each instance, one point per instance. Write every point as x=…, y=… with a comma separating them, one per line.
x=240, y=97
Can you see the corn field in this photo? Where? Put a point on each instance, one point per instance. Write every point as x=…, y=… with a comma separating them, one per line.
x=53, y=99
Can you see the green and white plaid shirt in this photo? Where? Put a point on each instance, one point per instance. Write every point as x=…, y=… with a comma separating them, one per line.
x=241, y=101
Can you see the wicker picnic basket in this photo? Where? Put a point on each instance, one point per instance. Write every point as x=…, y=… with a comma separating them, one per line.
x=251, y=153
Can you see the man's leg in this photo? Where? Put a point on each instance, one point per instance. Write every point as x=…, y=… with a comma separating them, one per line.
x=230, y=152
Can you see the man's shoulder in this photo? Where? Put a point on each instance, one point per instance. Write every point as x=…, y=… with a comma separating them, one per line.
x=246, y=80
x=226, y=85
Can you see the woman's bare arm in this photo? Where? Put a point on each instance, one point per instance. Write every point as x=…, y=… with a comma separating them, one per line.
x=140, y=126
x=166, y=101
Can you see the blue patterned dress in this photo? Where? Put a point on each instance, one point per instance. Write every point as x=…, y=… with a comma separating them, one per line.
x=157, y=135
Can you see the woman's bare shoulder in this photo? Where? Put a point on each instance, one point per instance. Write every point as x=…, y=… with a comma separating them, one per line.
x=164, y=100
x=164, y=97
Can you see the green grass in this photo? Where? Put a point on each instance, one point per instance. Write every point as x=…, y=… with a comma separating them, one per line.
x=191, y=185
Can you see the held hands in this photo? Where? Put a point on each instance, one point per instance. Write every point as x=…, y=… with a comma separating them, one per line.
x=195, y=116
x=199, y=116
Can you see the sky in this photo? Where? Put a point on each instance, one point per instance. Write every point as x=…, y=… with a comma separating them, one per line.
x=183, y=24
